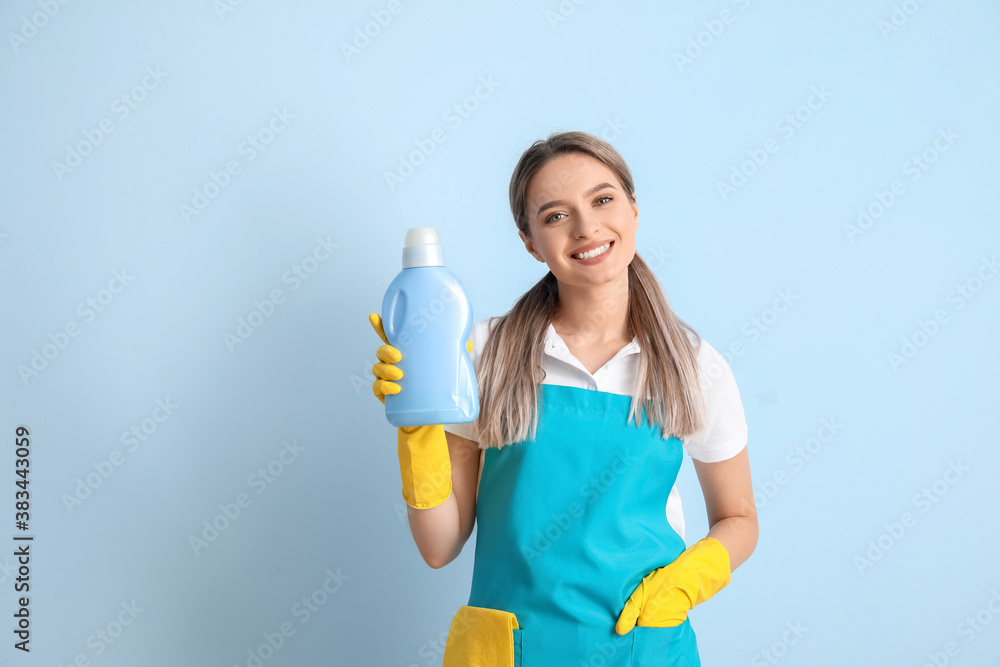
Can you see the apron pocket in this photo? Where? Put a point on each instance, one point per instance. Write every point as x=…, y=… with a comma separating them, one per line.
x=481, y=637
x=665, y=647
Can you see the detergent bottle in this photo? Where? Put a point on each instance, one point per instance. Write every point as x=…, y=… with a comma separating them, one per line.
x=427, y=316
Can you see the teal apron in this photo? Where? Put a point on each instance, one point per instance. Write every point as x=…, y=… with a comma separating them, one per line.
x=569, y=524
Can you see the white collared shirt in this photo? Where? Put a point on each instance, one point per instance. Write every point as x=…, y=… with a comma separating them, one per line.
x=725, y=433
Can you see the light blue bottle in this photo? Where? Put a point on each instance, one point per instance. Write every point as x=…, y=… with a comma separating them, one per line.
x=427, y=316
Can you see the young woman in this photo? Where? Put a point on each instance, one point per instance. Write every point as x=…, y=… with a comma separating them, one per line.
x=591, y=389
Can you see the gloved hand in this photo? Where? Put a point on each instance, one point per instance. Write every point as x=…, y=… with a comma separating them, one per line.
x=424, y=463
x=665, y=595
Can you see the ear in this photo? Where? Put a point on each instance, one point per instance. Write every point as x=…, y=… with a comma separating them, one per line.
x=529, y=246
x=635, y=208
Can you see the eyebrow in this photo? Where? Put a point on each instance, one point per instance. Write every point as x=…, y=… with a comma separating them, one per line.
x=556, y=202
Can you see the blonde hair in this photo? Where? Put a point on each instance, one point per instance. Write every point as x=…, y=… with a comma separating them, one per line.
x=510, y=366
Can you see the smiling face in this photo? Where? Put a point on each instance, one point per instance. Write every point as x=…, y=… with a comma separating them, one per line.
x=576, y=204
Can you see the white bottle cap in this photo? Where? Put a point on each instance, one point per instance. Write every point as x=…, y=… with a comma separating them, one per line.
x=422, y=247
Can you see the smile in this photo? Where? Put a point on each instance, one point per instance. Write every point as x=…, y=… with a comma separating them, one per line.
x=591, y=254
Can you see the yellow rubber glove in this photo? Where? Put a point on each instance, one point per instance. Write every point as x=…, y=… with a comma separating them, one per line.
x=664, y=596
x=424, y=463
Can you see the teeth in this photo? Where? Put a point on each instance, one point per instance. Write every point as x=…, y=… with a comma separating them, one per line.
x=592, y=253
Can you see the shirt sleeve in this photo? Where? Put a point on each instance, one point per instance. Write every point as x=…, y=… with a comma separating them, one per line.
x=725, y=432
x=478, y=335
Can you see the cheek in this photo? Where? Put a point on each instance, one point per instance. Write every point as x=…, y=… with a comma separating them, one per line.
x=547, y=248
x=628, y=249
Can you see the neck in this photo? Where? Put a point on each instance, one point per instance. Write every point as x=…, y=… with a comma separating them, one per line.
x=594, y=313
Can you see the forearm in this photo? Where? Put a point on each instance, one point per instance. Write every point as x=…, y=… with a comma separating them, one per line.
x=436, y=532
x=738, y=534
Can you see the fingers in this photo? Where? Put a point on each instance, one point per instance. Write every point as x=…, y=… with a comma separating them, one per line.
x=633, y=607
x=388, y=354
x=387, y=371
x=654, y=603
x=376, y=321
x=629, y=615
x=381, y=388
x=667, y=609
x=395, y=355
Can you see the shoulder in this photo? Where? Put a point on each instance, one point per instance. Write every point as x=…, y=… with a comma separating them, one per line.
x=484, y=326
x=481, y=331
x=711, y=364
x=725, y=432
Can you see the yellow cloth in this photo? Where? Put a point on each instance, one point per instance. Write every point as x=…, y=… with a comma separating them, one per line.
x=480, y=637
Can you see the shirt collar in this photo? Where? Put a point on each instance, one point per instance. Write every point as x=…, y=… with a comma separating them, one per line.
x=555, y=346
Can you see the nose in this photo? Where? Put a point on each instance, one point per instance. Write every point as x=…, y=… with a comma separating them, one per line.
x=586, y=224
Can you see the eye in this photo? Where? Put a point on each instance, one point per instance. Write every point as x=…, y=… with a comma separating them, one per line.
x=608, y=197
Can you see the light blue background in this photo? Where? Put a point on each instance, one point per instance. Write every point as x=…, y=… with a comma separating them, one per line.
x=305, y=374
